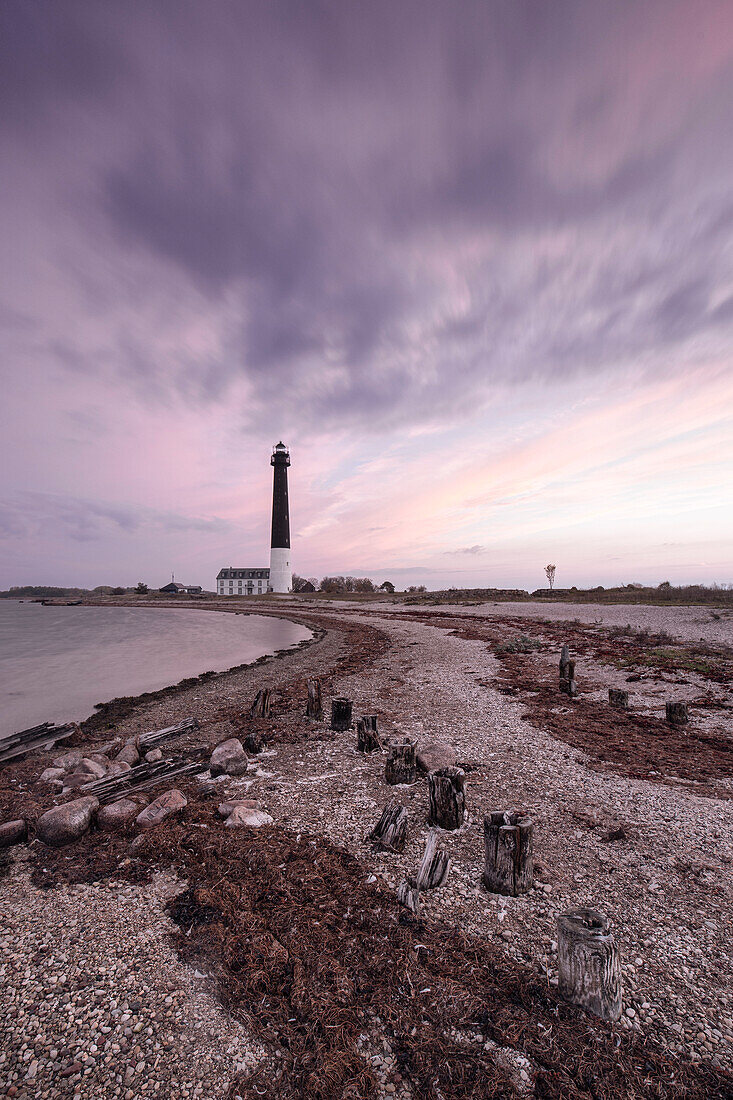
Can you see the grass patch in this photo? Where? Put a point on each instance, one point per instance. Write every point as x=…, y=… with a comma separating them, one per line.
x=521, y=644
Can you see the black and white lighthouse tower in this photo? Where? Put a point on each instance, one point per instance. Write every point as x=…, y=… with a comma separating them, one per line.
x=281, y=575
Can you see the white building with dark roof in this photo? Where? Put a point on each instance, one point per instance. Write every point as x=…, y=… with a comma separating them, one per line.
x=242, y=582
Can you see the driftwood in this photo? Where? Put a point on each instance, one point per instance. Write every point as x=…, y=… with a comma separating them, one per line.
x=589, y=970
x=401, y=766
x=31, y=740
x=367, y=737
x=157, y=737
x=141, y=778
x=341, y=710
x=677, y=714
x=618, y=698
x=314, y=706
x=509, y=862
x=390, y=832
x=434, y=866
x=447, y=800
x=261, y=706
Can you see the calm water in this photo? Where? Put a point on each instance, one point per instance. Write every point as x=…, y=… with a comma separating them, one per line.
x=56, y=663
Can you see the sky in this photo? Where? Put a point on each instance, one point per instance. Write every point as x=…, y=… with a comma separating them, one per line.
x=471, y=260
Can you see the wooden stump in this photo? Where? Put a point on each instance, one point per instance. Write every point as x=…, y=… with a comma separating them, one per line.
x=408, y=895
x=434, y=866
x=367, y=738
x=447, y=800
x=390, y=832
x=261, y=706
x=618, y=698
x=509, y=861
x=677, y=714
x=564, y=661
x=254, y=742
x=401, y=766
x=567, y=682
x=341, y=714
x=314, y=707
x=589, y=970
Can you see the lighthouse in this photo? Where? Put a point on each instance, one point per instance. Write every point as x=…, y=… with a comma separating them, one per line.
x=281, y=575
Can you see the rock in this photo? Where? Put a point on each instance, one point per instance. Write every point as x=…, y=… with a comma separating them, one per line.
x=78, y=779
x=225, y=808
x=229, y=758
x=153, y=756
x=160, y=808
x=98, y=758
x=117, y=767
x=68, y=760
x=13, y=832
x=117, y=814
x=65, y=824
x=434, y=755
x=51, y=775
x=128, y=754
x=247, y=815
x=93, y=767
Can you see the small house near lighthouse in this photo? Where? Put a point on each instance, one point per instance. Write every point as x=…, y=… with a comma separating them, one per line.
x=248, y=581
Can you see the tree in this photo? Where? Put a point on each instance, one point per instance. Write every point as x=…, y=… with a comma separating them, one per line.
x=141, y=588
x=117, y=592
x=386, y=586
x=550, y=574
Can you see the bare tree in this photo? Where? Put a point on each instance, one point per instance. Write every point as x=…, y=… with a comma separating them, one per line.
x=550, y=574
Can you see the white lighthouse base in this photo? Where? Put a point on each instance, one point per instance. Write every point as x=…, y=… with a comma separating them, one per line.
x=281, y=575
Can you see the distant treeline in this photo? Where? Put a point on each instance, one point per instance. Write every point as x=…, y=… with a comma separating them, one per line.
x=715, y=594
x=47, y=591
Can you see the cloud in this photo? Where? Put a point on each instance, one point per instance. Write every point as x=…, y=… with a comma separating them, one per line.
x=473, y=550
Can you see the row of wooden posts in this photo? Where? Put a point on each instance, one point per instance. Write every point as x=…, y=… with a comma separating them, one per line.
x=588, y=963
x=676, y=712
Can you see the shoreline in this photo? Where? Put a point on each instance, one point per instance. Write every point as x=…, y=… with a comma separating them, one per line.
x=650, y=852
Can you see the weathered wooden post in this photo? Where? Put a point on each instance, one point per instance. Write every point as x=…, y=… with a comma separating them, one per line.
x=564, y=661
x=447, y=800
x=261, y=706
x=341, y=713
x=509, y=860
x=390, y=832
x=367, y=737
x=588, y=964
x=567, y=683
x=401, y=766
x=618, y=698
x=434, y=866
x=314, y=707
x=677, y=714
x=254, y=742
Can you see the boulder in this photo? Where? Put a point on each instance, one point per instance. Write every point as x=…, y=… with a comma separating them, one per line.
x=161, y=808
x=246, y=815
x=13, y=832
x=93, y=767
x=68, y=760
x=153, y=756
x=51, y=775
x=225, y=808
x=98, y=758
x=65, y=824
x=117, y=767
x=128, y=754
x=229, y=758
x=434, y=755
x=117, y=814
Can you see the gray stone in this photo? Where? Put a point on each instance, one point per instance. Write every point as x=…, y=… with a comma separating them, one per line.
x=13, y=832
x=117, y=814
x=247, y=816
x=161, y=808
x=117, y=767
x=153, y=756
x=434, y=755
x=68, y=760
x=93, y=767
x=229, y=758
x=65, y=824
x=128, y=754
x=51, y=775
